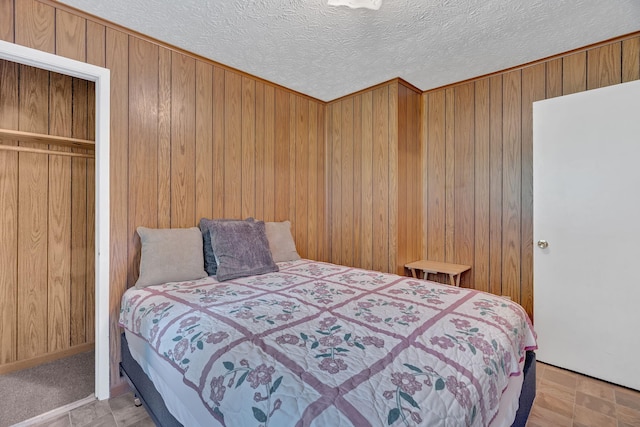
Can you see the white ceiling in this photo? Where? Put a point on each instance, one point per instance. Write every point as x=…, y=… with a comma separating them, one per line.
x=328, y=52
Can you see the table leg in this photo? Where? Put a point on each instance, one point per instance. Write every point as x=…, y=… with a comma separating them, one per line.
x=454, y=279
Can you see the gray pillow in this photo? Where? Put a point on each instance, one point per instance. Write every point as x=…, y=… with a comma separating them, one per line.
x=281, y=243
x=210, y=265
x=241, y=249
x=170, y=255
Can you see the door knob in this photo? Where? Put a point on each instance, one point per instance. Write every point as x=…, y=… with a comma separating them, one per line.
x=543, y=244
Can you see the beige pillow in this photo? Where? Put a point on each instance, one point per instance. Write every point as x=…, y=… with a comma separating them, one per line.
x=170, y=255
x=281, y=243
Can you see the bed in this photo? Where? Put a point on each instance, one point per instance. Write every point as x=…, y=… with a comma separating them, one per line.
x=318, y=344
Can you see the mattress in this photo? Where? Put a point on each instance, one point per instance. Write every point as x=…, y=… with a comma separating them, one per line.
x=320, y=344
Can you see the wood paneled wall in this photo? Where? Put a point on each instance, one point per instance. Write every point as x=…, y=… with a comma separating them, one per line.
x=189, y=139
x=204, y=141
x=46, y=220
x=478, y=173
x=374, y=184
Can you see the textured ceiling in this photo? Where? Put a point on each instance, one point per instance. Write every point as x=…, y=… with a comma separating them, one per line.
x=328, y=52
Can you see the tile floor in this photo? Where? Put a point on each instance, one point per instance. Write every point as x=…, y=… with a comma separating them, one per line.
x=116, y=412
x=563, y=399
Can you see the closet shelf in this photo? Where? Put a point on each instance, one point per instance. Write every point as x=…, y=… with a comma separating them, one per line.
x=60, y=141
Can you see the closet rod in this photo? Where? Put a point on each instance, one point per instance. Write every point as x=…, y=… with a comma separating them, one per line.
x=39, y=151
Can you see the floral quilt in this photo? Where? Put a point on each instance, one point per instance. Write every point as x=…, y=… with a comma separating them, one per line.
x=318, y=344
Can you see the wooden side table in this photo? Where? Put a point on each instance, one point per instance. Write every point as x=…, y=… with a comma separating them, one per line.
x=453, y=270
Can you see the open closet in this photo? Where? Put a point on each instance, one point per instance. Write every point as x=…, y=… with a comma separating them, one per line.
x=47, y=217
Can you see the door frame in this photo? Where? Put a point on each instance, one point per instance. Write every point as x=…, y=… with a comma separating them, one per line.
x=102, y=78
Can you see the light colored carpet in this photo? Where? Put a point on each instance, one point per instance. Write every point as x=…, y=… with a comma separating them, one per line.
x=40, y=389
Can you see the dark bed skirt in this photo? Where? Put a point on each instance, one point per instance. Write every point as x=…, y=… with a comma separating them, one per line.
x=528, y=392
x=144, y=389
x=153, y=403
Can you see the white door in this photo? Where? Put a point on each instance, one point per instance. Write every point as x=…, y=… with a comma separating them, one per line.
x=586, y=178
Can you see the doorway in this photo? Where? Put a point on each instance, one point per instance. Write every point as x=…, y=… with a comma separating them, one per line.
x=101, y=77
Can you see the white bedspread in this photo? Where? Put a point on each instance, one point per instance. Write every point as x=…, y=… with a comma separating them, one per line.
x=320, y=344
